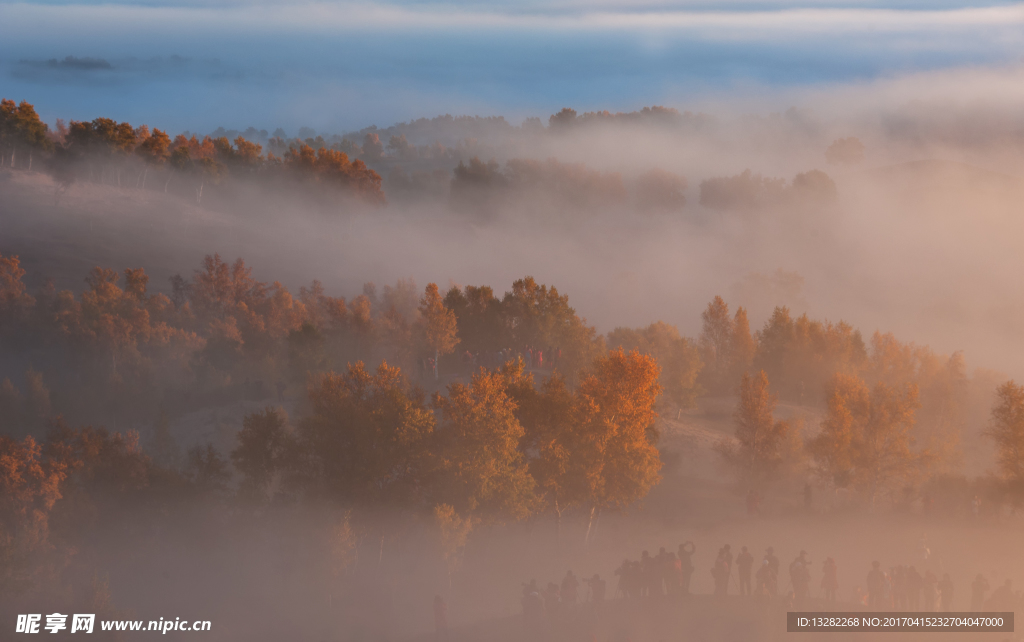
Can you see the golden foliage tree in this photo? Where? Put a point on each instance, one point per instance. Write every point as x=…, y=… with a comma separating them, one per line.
x=614, y=440
x=1007, y=430
x=436, y=326
x=866, y=439
x=481, y=469
x=677, y=356
x=366, y=439
x=760, y=450
x=547, y=416
x=716, y=338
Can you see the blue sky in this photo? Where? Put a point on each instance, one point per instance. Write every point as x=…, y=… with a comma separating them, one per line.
x=344, y=65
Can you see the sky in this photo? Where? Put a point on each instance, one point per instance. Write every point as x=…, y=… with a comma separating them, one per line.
x=341, y=66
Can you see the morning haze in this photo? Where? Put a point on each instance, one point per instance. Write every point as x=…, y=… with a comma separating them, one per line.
x=658, y=358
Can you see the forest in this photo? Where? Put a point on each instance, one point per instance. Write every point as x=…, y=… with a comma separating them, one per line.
x=380, y=442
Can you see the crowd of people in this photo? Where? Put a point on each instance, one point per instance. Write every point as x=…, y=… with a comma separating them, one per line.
x=668, y=574
x=561, y=599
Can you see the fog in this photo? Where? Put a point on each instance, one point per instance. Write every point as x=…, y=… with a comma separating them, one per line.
x=920, y=238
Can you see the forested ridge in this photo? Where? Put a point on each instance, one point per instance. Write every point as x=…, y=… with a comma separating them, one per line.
x=356, y=169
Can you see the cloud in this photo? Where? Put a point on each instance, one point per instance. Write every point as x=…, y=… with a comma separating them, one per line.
x=756, y=24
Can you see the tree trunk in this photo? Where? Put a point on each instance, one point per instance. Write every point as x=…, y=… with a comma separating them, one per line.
x=590, y=524
x=30, y=160
x=558, y=524
x=144, y=174
x=169, y=177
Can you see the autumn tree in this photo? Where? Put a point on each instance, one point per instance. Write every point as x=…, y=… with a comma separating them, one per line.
x=436, y=325
x=15, y=302
x=1007, y=431
x=678, y=357
x=155, y=149
x=366, y=438
x=538, y=316
x=848, y=402
x=547, y=415
x=481, y=470
x=30, y=485
x=20, y=129
x=614, y=442
x=865, y=438
x=716, y=337
x=330, y=167
x=801, y=355
x=762, y=443
x=744, y=347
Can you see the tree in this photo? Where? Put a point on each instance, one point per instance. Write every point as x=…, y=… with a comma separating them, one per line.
x=715, y=341
x=366, y=438
x=540, y=317
x=564, y=119
x=30, y=485
x=436, y=326
x=1007, y=431
x=372, y=147
x=264, y=445
x=677, y=356
x=482, y=471
x=479, y=318
x=759, y=452
x=866, y=439
x=454, y=531
x=801, y=355
x=306, y=351
x=847, y=401
x=155, y=149
x=550, y=435
x=207, y=469
x=15, y=301
x=614, y=440
x=743, y=345
x=741, y=192
x=814, y=188
x=330, y=167
x=21, y=128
